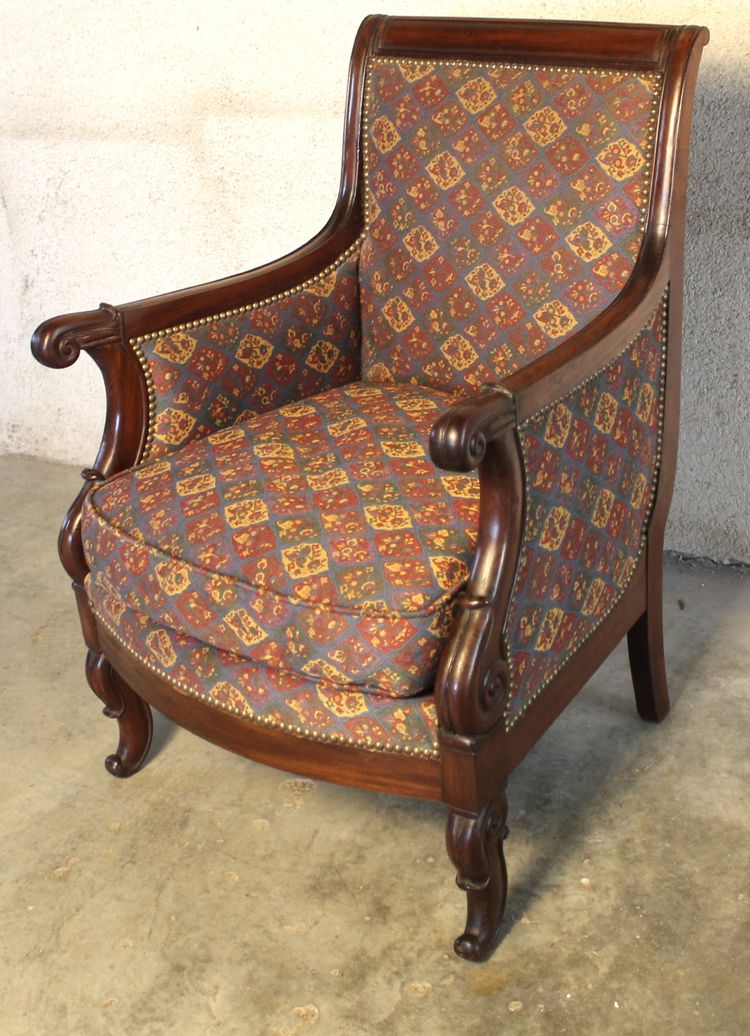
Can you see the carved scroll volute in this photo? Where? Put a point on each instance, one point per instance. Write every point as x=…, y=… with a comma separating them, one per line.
x=473, y=677
x=57, y=343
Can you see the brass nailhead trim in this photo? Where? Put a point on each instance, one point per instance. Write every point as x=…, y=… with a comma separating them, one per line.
x=136, y=343
x=661, y=315
x=428, y=63
x=149, y=379
x=289, y=728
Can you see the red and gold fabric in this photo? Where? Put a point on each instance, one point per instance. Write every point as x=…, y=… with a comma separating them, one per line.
x=505, y=209
x=590, y=460
x=317, y=538
x=290, y=552
x=221, y=370
x=279, y=698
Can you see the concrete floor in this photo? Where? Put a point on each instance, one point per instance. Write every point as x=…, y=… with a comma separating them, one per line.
x=212, y=895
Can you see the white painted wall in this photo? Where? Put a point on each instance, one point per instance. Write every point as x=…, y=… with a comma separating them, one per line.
x=147, y=146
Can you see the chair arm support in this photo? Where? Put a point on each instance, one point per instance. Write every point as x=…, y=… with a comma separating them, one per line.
x=472, y=681
x=58, y=343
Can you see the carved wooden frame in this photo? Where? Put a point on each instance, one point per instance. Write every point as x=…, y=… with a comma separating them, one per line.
x=477, y=754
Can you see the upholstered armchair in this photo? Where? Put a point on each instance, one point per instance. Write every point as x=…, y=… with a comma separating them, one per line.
x=375, y=512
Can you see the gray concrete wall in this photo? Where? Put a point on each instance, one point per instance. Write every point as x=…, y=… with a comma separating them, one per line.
x=144, y=147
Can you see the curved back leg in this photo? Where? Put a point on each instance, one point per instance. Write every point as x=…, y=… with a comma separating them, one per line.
x=132, y=713
x=646, y=642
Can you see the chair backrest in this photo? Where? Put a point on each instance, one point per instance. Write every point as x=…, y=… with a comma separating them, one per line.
x=505, y=209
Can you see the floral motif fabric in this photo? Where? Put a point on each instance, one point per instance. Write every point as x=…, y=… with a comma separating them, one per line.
x=291, y=553
x=317, y=709
x=229, y=368
x=318, y=537
x=590, y=464
x=504, y=214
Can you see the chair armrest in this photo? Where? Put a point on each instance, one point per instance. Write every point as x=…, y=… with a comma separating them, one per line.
x=202, y=374
x=459, y=437
x=123, y=340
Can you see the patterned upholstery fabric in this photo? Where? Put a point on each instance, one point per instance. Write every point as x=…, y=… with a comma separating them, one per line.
x=504, y=214
x=318, y=537
x=590, y=465
x=316, y=709
x=227, y=368
x=299, y=566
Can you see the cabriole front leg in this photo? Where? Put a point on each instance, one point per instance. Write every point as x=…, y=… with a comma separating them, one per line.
x=475, y=846
x=57, y=343
x=132, y=713
x=120, y=701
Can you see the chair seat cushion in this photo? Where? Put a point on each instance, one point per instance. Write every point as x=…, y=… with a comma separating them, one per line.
x=318, y=710
x=318, y=538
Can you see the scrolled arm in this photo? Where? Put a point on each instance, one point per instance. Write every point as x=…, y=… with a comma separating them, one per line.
x=459, y=437
x=58, y=342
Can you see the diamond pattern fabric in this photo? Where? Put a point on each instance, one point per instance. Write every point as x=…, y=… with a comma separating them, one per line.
x=590, y=461
x=505, y=208
x=290, y=553
x=318, y=538
x=277, y=698
x=218, y=371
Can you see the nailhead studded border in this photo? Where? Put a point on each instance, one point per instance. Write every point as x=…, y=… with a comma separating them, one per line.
x=136, y=342
x=662, y=317
x=307, y=733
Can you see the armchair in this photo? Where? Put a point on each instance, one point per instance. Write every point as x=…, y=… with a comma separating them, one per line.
x=375, y=512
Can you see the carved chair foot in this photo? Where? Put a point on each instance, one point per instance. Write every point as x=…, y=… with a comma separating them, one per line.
x=475, y=846
x=132, y=713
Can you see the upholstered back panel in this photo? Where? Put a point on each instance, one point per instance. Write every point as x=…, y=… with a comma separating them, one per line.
x=505, y=211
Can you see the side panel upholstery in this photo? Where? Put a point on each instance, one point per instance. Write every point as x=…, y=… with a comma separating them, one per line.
x=592, y=463
x=210, y=373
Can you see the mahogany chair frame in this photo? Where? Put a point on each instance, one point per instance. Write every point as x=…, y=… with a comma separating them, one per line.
x=477, y=754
